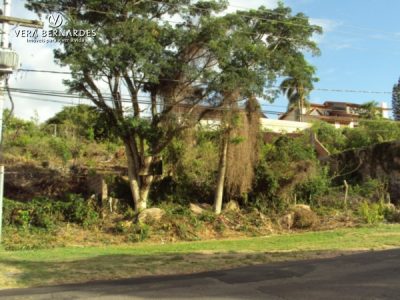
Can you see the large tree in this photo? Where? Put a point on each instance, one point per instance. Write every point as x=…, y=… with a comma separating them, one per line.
x=199, y=56
x=396, y=101
x=269, y=44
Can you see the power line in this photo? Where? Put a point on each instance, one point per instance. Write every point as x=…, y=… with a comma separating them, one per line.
x=61, y=94
x=272, y=87
x=142, y=98
x=268, y=112
x=128, y=109
x=210, y=108
x=71, y=103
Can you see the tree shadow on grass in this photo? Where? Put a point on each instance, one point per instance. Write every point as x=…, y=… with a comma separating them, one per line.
x=145, y=270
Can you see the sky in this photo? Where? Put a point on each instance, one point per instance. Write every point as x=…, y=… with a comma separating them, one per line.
x=360, y=54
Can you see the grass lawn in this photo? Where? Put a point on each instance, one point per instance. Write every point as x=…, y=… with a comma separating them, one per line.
x=67, y=265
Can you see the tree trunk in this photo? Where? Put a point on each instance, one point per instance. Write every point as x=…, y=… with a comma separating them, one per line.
x=140, y=179
x=219, y=193
x=147, y=180
x=300, y=108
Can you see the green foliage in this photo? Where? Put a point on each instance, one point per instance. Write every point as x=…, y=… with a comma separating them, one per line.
x=37, y=213
x=391, y=214
x=18, y=125
x=79, y=211
x=192, y=163
x=266, y=187
x=23, y=218
x=184, y=232
x=333, y=139
x=207, y=216
x=369, y=132
x=46, y=213
x=28, y=140
x=237, y=56
x=287, y=165
x=372, y=132
x=298, y=86
x=61, y=149
x=287, y=149
x=83, y=121
x=371, y=213
x=314, y=187
x=139, y=233
x=21, y=239
x=373, y=189
x=370, y=110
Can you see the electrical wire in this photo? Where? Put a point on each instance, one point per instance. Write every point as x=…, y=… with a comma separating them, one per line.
x=267, y=112
x=140, y=102
x=336, y=90
x=142, y=99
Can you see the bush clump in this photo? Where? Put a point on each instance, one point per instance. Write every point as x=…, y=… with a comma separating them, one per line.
x=304, y=218
x=371, y=213
x=46, y=213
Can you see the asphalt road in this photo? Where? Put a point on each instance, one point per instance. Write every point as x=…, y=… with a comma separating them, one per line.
x=372, y=275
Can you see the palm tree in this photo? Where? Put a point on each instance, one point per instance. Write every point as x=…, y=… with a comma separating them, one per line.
x=298, y=86
x=370, y=110
x=296, y=91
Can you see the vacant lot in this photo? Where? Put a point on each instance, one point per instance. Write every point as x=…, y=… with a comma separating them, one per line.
x=67, y=265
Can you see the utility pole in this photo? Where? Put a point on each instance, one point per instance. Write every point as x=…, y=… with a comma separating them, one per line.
x=9, y=61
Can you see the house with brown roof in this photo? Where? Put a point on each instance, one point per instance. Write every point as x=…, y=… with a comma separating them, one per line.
x=339, y=114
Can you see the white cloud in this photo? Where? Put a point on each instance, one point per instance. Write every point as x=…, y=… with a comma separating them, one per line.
x=327, y=25
x=34, y=56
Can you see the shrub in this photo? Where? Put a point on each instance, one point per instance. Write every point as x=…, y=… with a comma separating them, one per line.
x=22, y=218
x=139, y=233
x=332, y=138
x=372, y=189
x=266, y=185
x=287, y=166
x=314, y=187
x=61, y=149
x=79, y=211
x=9, y=211
x=42, y=216
x=304, y=218
x=371, y=213
x=46, y=213
x=371, y=132
x=219, y=226
x=391, y=214
x=207, y=216
x=192, y=162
